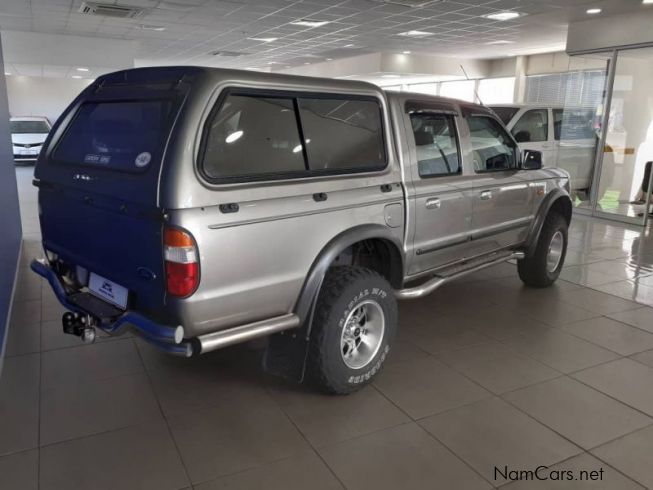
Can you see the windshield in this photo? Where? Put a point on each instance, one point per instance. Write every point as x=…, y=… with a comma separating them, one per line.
x=121, y=135
x=27, y=127
x=505, y=113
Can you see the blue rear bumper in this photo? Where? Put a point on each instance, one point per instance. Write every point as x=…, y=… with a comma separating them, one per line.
x=167, y=338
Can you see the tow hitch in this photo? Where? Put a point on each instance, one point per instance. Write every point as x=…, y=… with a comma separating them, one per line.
x=79, y=325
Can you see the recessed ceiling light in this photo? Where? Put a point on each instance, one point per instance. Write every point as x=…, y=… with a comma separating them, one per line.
x=263, y=39
x=151, y=27
x=503, y=15
x=81, y=68
x=7, y=74
x=500, y=41
x=309, y=22
x=76, y=76
x=405, y=52
x=349, y=45
x=329, y=59
x=594, y=11
x=415, y=34
x=306, y=63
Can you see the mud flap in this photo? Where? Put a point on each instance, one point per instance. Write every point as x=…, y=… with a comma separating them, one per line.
x=286, y=354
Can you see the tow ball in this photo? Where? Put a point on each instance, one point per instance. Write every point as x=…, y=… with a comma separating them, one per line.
x=79, y=325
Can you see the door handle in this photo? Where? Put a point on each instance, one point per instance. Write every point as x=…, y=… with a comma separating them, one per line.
x=486, y=195
x=433, y=203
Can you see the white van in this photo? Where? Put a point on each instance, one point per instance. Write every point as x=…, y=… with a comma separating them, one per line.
x=566, y=137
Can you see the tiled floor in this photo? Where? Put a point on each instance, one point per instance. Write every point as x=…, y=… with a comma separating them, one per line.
x=485, y=374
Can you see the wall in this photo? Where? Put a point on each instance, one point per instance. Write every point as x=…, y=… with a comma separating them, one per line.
x=39, y=96
x=10, y=238
x=610, y=32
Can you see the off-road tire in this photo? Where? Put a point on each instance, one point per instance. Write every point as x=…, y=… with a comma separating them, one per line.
x=533, y=270
x=343, y=289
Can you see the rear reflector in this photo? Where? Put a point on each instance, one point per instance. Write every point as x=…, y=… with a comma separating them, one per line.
x=182, y=264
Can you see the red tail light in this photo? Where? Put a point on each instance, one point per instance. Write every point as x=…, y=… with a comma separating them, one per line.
x=182, y=263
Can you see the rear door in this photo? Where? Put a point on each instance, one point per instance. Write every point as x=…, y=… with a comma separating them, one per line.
x=99, y=187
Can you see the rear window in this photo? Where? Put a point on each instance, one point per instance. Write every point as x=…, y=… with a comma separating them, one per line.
x=505, y=113
x=29, y=127
x=120, y=135
x=257, y=137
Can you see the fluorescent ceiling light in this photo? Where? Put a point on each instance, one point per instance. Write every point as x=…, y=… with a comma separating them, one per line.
x=81, y=68
x=500, y=41
x=594, y=11
x=151, y=27
x=76, y=76
x=349, y=46
x=405, y=52
x=503, y=16
x=645, y=2
x=309, y=23
x=263, y=39
x=7, y=74
x=415, y=34
x=389, y=76
x=329, y=59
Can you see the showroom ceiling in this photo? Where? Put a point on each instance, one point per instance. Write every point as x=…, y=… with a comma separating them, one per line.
x=274, y=34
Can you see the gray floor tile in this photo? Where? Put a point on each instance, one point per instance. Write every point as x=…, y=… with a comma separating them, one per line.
x=559, y=350
x=225, y=439
x=427, y=386
x=403, y=457
x=142, y=457
x=491, y=434
x=644, y=357
x=20, y=471
x=23, y=338
x=640, y=318
x=438, y=334
x=69, y=411
x=19, y=404
x=598, y=302
x=53, y=337
x=325, y=419
x=495, y=367
x=626, y=380
x=631, y=455
x=301, y=472
x=501, y=322
x=581, y=274
x=582, y=414
x=403, y=350
x=629, y=290
x=89, y=363
x=585, y=474
x=554, y=313
x=611, y=334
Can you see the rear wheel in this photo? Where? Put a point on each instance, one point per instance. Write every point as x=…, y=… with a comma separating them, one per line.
x=355, y=322
x=543, y=267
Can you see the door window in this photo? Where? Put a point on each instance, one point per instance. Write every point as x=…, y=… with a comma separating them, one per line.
x=436, y=144
x=533, y=126
x=492, y=147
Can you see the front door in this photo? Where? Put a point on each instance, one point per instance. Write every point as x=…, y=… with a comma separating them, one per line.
x=440, y=194
x=503, y=197
x=533, y=132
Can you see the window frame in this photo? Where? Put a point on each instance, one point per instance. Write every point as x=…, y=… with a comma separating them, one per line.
x=516, y=150
x=451, y=115
x=523, y=114
x=293, y=96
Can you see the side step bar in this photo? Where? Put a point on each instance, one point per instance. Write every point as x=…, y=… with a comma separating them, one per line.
x=455, y=272
x=243, y=333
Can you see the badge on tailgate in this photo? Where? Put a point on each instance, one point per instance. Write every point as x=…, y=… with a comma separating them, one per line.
x=108, y=290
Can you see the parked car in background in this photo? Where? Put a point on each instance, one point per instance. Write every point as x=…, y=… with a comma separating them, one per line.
x=205, y=207
x=27, y=137
x=566, y=137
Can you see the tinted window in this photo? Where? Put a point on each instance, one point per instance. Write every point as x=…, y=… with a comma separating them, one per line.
x=533, y=126
x=124, y=135
x=574, y=124
x=492, y=147
x=505, y=113
x=436, y=144
x=26, y=127
x=252, y=135
x=342, y=134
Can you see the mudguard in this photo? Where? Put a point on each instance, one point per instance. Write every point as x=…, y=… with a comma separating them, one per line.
x=557, y=197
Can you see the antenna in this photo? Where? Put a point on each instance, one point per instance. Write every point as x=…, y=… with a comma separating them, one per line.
x=475, y=91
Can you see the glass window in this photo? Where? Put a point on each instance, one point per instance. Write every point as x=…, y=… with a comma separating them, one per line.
x=533, y=126
x=497, y=90
x=27, y=127
x=342, y=134
x=574, y=124
x=462, y=89
x=424, y=88
x=252, y=135
x=492, y=147
x=125, y=135
x=436, y=144
x=505, y=113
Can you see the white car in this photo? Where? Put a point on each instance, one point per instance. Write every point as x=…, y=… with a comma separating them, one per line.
x=27, y=137
x=566, y=137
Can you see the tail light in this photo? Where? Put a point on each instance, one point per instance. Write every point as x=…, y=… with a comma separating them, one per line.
x=182, y=262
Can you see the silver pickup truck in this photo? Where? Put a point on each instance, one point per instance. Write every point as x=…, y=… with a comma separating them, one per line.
x=200, y=207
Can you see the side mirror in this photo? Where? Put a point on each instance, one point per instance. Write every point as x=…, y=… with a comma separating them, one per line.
x=531, y=160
